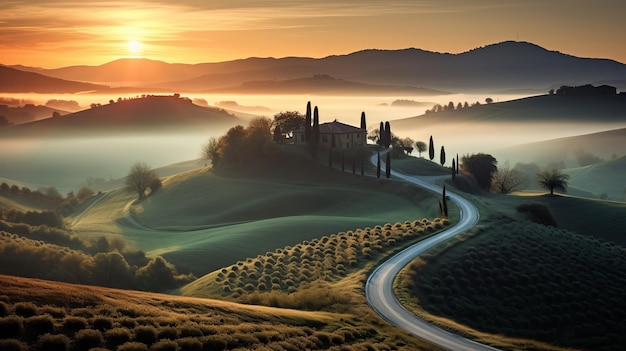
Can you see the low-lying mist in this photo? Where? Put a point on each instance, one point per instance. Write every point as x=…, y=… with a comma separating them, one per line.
x=68, y=163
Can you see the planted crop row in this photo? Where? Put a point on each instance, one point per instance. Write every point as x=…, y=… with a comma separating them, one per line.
x=527, y=280
x=328, y=258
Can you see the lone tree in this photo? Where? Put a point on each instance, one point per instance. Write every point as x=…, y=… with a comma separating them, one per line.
x=140, y=178
x=553, y=179
x=421, y=147
x=381, y=135
x=431, y=148
x=507, y=180
x=378, y=166
x=453, y=169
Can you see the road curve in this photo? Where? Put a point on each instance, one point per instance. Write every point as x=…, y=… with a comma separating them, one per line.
x=379, y=286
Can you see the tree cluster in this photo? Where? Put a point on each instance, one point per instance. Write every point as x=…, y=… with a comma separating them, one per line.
x=452, y=107
x=241, y=148
x=25, y=257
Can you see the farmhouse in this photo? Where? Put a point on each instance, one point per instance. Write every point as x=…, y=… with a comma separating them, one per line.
x=336, y=135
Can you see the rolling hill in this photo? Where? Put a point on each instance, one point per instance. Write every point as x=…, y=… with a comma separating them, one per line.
x=146, y=114
x=606, y=145
x=496, y=67
x=16, y=81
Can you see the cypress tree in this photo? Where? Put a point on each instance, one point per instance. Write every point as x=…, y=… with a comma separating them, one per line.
x=315, y=135
x=381, y=134
x=457, y=164
x=388, y=166
x=442, y=156
x=387, y=134
x=431, y=149
x=363, y=125
x=378, y=166
x=453, y=169
x=307, y=123
x=444, y=204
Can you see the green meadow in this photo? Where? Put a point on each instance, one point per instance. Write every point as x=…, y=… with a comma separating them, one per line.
x=201, y=221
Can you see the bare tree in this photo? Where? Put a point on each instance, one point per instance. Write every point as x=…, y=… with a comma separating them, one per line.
x=506, y=180
x=140, y=178
x=210, y=151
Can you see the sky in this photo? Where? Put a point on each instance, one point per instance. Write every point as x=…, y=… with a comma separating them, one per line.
x=60, y=33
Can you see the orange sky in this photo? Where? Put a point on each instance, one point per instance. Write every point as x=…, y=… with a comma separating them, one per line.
x=59, y=33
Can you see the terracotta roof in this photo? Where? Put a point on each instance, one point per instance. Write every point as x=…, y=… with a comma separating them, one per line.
x=338, y=128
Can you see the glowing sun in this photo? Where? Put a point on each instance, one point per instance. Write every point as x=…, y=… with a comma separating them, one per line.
x=134, y=46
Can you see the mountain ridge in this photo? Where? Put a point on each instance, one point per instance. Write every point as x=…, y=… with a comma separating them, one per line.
x=499, y=66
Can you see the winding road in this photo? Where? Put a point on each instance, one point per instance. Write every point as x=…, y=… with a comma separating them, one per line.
x=379, y=286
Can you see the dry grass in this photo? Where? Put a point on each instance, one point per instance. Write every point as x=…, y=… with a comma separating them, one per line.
x=138, y=320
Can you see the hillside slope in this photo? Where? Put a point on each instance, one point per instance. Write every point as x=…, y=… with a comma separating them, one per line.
x=16, y=81
x=146, y=114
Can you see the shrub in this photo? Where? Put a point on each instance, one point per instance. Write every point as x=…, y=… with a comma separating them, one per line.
x=168, y=333
x=102, y=323
x=11, y=327
x=214, y=342
x=71, y=325
x=12, y=345
x=165, y=345
x=145, y=334
x=190, y=330
x=4, y=309
x=133, y=346
x=87, y=339
x=82, y=312
x=38, y=325
x=189, y=344
x=117, y=336
x=56, y=312
x=25, y=309
x=50, y=342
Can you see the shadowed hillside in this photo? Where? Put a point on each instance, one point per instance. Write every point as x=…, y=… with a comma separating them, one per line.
x=146, y=114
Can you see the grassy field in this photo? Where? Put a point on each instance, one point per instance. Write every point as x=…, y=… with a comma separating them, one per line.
x=44, y=315
x=605, y=179
x=201, y=222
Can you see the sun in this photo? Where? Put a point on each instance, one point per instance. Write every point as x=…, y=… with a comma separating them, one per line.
x=134, y=46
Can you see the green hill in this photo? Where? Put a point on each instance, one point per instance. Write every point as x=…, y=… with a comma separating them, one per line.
x=201, y=222
x=606, y=178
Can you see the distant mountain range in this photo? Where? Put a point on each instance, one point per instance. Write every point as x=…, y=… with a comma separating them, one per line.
x=498, y=67
x=17, y=81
